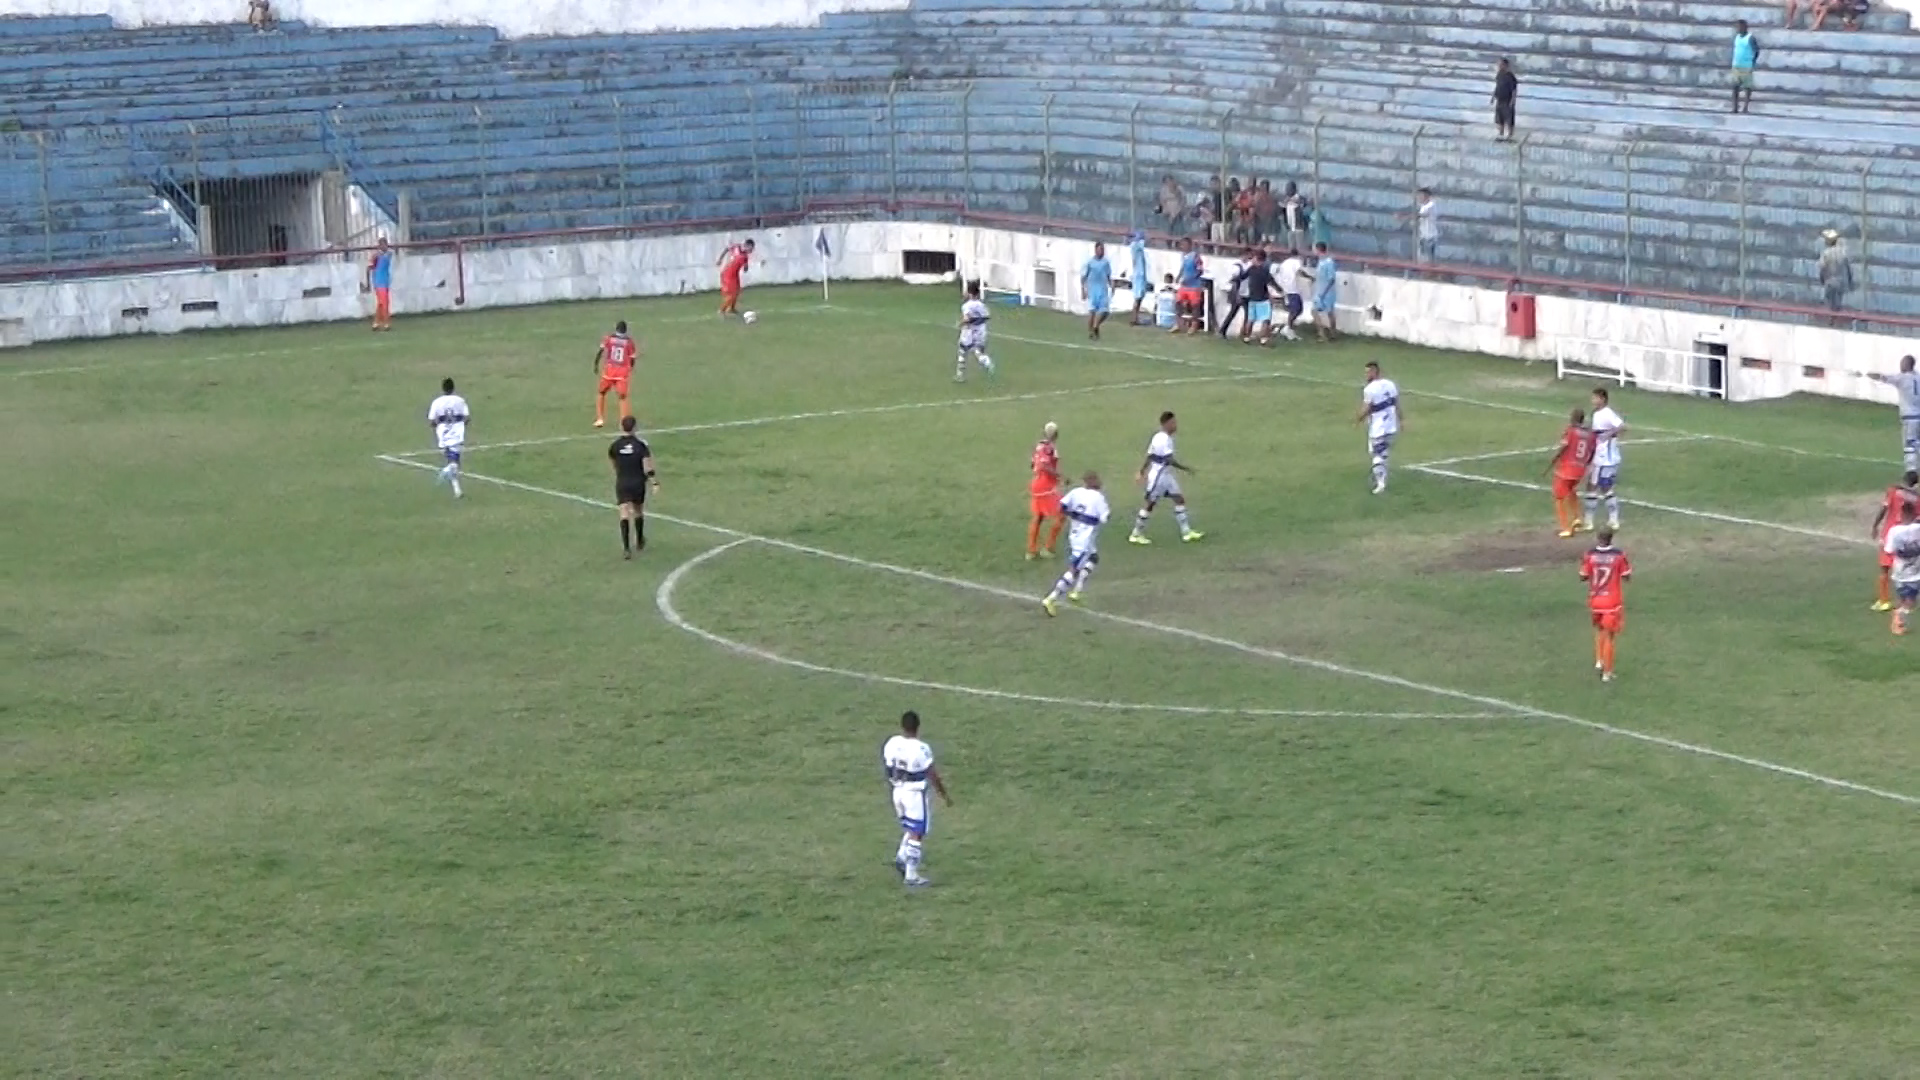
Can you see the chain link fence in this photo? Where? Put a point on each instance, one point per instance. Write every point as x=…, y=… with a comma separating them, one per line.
x=1626, y=214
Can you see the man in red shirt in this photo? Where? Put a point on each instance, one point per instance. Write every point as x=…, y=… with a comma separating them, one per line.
x=1571, y=460
x=614, y=362
x=1906, y=493
x=1044, y=493
x=1605, y=569
x=733, y=262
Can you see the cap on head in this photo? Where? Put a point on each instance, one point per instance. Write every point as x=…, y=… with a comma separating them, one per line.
x=446, y=386
x=910, y=722
x=628, y=423
x=620, y=327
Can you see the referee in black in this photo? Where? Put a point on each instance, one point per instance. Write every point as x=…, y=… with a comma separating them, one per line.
x=632, y=462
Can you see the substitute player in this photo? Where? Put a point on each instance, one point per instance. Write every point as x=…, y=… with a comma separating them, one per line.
x=1571, y=460
x=973, y=334
x=1605, y=474
x=1190, y=303
x=1086, y=506
x=1605, y=569
x=1142, y=280
x=633, y=477
x=380, y=280
x=733, y=262
x=1903, y=543
x=1157, y=477
x=1096, y=288
x=447, y=416
x=614, y=362
x=1899, y=497
x=1043, y=491
x=1380, y=411
x=907, y=763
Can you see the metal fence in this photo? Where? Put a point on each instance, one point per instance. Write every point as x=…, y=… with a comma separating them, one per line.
x=1634, y=214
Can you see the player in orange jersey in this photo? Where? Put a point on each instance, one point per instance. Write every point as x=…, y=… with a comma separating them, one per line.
x=1571, y=459
x=1605, y=569
x=1044, y=490
x=614, y=362
x=1905, y=493
x=733, y=263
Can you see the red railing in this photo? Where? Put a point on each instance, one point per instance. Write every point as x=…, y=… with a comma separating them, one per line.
x=885, y=208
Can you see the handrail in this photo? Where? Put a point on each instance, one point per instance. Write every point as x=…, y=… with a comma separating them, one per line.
x=919, y=205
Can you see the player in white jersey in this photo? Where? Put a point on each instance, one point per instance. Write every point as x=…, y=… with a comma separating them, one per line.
x=1157, y=475
x=973, y=334
x=1907, y=384
x=907, y=763
x=1085, y=509
x=1605, y=473
x=1903, y=543
x=1380, y=411
x=447, y=416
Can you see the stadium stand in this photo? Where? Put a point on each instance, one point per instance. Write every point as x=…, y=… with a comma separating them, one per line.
x=1632, y=171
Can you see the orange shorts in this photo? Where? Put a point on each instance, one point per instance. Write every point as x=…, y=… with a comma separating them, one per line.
x=382, y=297
x=1046, y=505
x=618, y=384
x=1191, y=299
x=1565, y=487
x=729, y=291
x=1612, y=620
x=1886, y=560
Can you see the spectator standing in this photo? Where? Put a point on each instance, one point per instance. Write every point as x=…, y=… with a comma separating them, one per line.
x=1293, y=213
x=1325, y=277
x=1172, y=203
x=1746, y=57
x=1265, y=208
x=1426, y=226
x=1142, y=283
x=1216, y=208
x=260, y=15
x=1288, y=279
x=1506, y=88
x=1836, y=271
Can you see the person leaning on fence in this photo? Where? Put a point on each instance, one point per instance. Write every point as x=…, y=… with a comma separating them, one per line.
x=1836, y=271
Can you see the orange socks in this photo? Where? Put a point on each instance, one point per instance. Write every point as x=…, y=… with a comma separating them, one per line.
x=1053, y=538
x=1033, y=536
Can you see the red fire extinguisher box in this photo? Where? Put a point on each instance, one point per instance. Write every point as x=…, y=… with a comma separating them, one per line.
x=1521, y=318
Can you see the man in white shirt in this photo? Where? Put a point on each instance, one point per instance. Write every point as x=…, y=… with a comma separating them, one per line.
x=1607, y=429
x=1428, y=214
x=1086, y=510
x=907, y=763
x=1157, y=476
x=1288, y=278
x=1380, y=411
x=973, y=334
x=1907, y=385
x=447, y=416
x=1903, y=543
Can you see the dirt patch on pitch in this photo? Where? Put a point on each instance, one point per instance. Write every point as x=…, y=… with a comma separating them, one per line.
x=1848, y=515
x=1511, y=549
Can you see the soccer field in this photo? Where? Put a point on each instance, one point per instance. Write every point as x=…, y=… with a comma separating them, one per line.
x=312, y=770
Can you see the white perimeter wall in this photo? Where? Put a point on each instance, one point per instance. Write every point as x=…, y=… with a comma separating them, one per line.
x=1423, y=313
x=524, y=19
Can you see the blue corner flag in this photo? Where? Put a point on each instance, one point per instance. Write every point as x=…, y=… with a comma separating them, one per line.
x=826, y=252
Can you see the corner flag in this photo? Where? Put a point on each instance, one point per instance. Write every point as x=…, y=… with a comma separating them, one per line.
x=826, y=253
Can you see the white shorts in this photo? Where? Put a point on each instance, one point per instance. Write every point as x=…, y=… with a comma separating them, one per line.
x=1910, y=434
x=1381, y=445
x=913, y=808
x=1603, y=477
x=1082, y=555
x=974, y=338
x=1163, y=484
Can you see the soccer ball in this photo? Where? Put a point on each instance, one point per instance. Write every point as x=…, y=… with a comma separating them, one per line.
x=750, y=318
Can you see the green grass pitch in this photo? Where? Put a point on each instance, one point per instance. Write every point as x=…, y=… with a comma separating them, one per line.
x=311, y=770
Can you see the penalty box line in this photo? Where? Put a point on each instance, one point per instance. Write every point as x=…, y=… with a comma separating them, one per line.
x=866, y=410
x=1381, y=678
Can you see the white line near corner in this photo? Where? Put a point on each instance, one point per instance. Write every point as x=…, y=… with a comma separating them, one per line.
x=663, y=600
x=1481, y=700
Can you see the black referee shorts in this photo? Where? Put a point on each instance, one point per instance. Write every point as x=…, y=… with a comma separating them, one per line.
x=635, y=493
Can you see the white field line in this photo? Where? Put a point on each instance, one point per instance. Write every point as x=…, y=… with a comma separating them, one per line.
x=663, y=599
x=1455, y=399
x=1532, y=450
x=1482, y=700
x=867, y=410
x=1703, y=515
x=345, y=344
